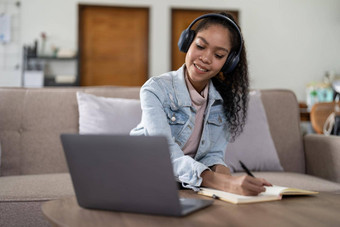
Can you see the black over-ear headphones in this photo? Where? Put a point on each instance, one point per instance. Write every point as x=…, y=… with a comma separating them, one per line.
x=188, y=36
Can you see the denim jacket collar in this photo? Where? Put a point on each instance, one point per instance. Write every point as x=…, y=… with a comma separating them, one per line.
x=182, y=92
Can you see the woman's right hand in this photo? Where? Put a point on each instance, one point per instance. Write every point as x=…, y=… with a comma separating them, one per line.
x=243, y=185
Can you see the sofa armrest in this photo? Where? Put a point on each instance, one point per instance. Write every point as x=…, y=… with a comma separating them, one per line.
x=323, y=156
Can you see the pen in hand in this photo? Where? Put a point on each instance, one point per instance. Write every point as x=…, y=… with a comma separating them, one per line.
x=246, y=169
x=264, y=182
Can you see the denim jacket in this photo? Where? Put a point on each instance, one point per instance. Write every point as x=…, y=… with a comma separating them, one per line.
x=167, y=110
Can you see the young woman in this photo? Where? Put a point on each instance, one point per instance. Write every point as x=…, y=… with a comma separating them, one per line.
x=202, y=106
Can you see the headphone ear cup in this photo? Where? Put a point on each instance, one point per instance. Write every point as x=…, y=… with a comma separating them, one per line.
x=185, y=40
x=231, y=62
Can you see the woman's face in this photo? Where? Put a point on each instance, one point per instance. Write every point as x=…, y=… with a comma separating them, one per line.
x=207, y=54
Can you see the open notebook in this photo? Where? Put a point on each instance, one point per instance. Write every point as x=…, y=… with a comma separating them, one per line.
x=272, y=193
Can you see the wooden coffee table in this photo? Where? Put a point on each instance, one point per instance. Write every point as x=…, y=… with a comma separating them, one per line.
x=319, y=210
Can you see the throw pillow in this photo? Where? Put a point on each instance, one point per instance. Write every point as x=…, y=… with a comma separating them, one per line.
x=255, y=146
x=101, y=115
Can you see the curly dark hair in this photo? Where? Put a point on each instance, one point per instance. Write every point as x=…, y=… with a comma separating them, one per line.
x=232, y=86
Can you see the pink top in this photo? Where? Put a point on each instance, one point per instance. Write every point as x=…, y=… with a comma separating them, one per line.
x=199, y=101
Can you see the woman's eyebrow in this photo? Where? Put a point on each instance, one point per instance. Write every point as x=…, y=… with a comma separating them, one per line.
x=203, y=39
x=207, y=43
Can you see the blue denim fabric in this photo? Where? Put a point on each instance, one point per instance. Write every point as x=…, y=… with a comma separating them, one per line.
x=167, y=110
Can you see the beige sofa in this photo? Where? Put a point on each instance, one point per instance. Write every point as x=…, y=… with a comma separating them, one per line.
x=33, y=167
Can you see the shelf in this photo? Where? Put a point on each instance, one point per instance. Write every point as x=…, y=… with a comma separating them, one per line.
x=60, y=85
x=50, y=81
x=52, y=58
x=50, y=64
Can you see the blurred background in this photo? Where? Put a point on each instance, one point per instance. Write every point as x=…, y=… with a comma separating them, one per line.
x=290, y=44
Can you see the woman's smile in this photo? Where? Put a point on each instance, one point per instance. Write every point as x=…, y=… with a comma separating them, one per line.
x=201, y=68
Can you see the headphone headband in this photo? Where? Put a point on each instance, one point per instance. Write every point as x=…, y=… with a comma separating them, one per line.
x=223, y=17
x=188, y=36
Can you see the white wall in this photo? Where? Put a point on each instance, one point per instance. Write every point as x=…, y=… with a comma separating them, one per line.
x=10, y=52
x=290, y=43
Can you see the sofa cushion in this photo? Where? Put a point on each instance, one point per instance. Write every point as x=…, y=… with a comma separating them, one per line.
x=107, y=115
x=283, y=117
x=32, y=120
x=35, y=187
x=255, y=146
x=30, y=125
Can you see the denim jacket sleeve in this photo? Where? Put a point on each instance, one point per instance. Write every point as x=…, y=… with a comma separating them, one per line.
x=156, y=122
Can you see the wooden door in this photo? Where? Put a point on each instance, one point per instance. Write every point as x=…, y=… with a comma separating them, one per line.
x=181, y=19
x=113, y=45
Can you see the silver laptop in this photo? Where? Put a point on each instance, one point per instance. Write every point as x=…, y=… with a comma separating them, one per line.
x=125, y=173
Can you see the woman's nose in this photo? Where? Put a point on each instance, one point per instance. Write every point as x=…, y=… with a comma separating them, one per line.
x=206, y=58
